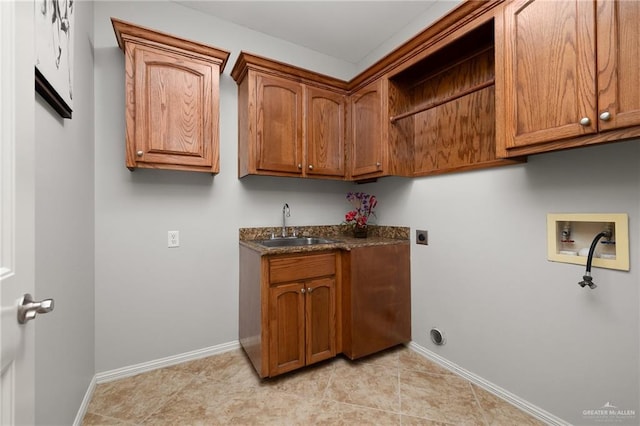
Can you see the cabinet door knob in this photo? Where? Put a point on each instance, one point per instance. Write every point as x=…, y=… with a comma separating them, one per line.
x=605, y=116
x=310, y=167
x=139, y=153
x=302, y=290
x=378, y=164
x=585, y=121
x=309, y=290
x=299, y=165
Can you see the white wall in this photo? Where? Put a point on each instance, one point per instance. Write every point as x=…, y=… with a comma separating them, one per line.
x=510, y=316
x=151, y=301
x=65, y=239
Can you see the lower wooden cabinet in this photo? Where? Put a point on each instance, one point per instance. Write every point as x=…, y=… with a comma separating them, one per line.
x=288, y=309
x=376, y=299
x=301, y=308
x=301, y=324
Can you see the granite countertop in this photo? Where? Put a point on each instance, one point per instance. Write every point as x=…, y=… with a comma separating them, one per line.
x=342, y=234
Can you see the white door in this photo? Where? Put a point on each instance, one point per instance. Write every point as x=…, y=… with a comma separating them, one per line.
x=17, y=242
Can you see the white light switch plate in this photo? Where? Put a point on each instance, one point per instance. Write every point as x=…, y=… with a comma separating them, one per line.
x=174, y=239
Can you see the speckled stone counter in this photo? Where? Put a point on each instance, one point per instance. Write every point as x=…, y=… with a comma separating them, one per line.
x=341, y=234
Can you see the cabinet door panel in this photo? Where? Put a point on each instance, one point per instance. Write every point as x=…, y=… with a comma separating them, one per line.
x=619, y=63
x=549, y=60
x=286, y=328
x=321, y=320
x=279, y=125
x=367, y=126
x=174, y=111
x=377, y=299
x=325, y=132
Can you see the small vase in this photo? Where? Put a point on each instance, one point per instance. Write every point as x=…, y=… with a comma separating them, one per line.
x=360, y=231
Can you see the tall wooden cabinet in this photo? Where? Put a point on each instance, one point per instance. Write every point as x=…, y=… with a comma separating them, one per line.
x=172, y=100
x=291, y=121
x=569, y=74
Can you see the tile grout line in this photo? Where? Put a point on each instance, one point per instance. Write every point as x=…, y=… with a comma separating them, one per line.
x=171, y=396
x=326, y=388
x=475, y=396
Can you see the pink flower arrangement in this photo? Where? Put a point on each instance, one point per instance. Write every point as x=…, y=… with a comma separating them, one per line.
x=363, y=207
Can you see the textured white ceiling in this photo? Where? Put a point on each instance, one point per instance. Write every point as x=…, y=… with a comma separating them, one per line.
x=348, y=30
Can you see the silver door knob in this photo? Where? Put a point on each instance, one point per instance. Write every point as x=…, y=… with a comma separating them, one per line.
x=299, y=166
x=302, y=290
x=139, y=153
x=310, y=167
x=605, y=116
x=28, y=308
x=309, y=290
x=585, y=121
x=378, y=164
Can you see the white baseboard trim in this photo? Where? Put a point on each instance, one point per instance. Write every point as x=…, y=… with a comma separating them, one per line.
x=85, y=403
x=144, y=367
x=520, y=403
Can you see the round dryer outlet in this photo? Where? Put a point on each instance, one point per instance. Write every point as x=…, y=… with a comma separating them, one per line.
x=437, y=336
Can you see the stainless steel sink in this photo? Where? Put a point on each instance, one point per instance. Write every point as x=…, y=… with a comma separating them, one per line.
x=294, y=241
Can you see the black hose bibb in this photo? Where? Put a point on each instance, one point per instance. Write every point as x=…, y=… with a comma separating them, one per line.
x=587, y=280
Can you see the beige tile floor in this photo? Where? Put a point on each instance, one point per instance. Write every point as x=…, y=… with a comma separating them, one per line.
x=397, y=387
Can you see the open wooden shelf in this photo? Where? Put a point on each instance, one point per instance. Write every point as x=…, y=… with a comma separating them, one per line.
x=443, y=105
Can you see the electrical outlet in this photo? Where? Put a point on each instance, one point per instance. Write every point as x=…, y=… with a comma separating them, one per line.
x=422, y=237
x=174, y=239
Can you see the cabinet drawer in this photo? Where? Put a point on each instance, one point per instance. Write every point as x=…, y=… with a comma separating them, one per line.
x=296, y=268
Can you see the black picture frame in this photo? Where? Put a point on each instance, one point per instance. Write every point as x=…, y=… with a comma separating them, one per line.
x=49, y=94
x=54, y=31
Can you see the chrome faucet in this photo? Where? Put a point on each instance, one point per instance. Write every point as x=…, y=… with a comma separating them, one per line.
x=285, y=214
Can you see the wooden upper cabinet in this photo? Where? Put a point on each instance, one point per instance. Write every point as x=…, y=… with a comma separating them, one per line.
x=549, y=78
x=172, y=100
x=558, y=88
x=368, y=126
x=618, y=35
x=325, y=132
x=291, y=121
x=442, y=106
x=278, y=125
